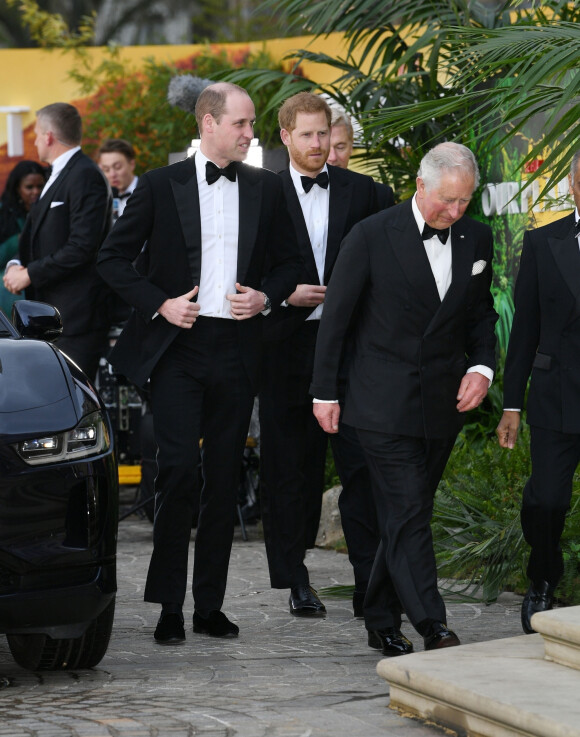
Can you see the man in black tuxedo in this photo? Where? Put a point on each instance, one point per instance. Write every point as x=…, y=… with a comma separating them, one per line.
x=221, y=250
x=61, y=237
x=116, y=159
x=325, y=202
x=419, y=277
x=545, y=342
x=341, y=146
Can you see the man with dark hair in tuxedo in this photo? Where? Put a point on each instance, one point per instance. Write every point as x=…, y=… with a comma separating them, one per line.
x=545, y=343
x=416, y=278
x=221, y=254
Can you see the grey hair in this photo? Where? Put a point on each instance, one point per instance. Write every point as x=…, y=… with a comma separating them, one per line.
x=444, y=156
x=339, y=118
x=574, y=166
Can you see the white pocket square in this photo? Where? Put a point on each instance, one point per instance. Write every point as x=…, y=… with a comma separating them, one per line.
x=56, y=204
x=478, y=267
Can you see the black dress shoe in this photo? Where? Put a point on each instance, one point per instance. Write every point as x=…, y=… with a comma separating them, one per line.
x=216, y=625
x=440, y=637
x=169, y=630
x=538, y=598
x=358, y=598
x=304, y=602
x=391, y=641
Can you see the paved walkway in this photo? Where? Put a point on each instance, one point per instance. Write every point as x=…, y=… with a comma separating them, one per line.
x=283, y=677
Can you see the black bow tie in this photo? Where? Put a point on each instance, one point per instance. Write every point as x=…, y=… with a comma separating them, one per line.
x=124, y=195
x=309, y=182
x=577, y=228
x=213, y=172
x=429, y=232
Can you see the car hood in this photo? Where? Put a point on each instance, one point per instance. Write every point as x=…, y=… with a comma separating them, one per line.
x=35, y=389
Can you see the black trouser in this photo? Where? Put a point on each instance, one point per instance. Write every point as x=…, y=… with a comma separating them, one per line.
x=292, y=456
x=198, y=389
x=405, y=473
x=86, y=349
x=546, y=499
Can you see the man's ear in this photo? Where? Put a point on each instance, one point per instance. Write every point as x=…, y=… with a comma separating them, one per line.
x=285, y=136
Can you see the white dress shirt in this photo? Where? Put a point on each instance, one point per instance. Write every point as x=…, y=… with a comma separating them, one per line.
x=440, y=260
x=120, y=202
x=219, y=209
x=314, y=206
x=57, y=166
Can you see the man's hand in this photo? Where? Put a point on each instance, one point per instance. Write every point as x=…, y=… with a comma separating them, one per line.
x=327, y=414
x=507, y=430
x=246, y=304
x=472, y=391
x=307, y=295
x=16, y=278
x=181, y=311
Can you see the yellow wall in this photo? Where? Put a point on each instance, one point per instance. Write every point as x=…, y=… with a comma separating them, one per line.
x=33, y=78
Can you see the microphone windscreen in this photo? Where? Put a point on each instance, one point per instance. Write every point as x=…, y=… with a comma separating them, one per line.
x=184, y=89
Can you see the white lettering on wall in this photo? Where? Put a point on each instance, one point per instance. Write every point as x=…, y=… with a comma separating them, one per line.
x=502, y=198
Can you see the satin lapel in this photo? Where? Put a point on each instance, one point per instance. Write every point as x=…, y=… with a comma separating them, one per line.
x=186, y=197
x=410, y=252
x=340, y=199
x=43, y=204
x=299, y=224
x=462, y=258
x=250, y=196
x=567, y=257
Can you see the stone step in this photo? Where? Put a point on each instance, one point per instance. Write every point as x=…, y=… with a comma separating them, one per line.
x=560, y=629
x=499, y=688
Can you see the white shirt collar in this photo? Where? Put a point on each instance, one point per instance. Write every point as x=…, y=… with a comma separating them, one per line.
x=61, y=161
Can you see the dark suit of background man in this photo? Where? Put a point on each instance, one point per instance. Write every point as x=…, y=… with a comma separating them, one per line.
x=545, y=342
x=325, y=202
x=356, y=504
x=218, y=230
x=61, y=237
x=424, y=354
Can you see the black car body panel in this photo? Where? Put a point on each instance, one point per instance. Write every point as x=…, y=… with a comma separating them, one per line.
x=58, y=513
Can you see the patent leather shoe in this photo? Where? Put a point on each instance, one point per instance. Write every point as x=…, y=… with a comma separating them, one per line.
x=391, y=641
x=304, y=602
x=440, y=637
x=538, y=598
x=216, y=624
x=169, y=630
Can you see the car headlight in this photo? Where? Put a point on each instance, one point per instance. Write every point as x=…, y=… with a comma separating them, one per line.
x=90, y=437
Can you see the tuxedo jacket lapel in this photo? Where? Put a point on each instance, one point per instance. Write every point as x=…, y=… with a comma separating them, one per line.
x=300, y=226
x=186, y=196
x=250, y=194
x=339, y=203
x=42, y=206
x=567, y=257
x=410, y=252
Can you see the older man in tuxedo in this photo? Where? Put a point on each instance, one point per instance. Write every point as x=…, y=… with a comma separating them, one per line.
x=221, y=253
x=58, y=246
x=419, y=276
x=545, y=342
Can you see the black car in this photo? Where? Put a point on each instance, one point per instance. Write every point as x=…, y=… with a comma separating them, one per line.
x=58, y=500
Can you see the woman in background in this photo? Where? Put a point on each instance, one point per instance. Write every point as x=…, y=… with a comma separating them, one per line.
x=23, y=187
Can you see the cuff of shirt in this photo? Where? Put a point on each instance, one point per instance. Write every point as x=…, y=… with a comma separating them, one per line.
x=13, y=262
x=483, y=370
x=324, y=401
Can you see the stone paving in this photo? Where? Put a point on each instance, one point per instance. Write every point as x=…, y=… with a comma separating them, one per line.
x=283, y=677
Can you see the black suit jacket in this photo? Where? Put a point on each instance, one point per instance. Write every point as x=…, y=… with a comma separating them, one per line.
x=352, y=198
x=411, y=349
x=545, y=336
x=60, y=241
x=164, y=212
x=385, y=196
